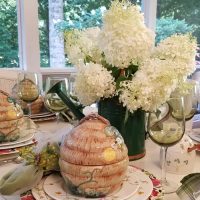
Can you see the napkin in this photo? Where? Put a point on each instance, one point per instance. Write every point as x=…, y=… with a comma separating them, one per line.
x=20, y=180
x=190, y=188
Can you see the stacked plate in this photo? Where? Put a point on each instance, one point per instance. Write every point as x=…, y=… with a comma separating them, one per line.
x=137, y=185
x=44, y=116
x=8, y=150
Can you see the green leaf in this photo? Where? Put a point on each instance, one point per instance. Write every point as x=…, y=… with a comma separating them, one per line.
x=119, y=80
x=131, y=70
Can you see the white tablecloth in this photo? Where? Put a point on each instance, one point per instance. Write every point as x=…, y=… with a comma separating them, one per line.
x=150, y=162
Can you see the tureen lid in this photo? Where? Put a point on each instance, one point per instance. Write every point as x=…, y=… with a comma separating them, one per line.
x=93, y=142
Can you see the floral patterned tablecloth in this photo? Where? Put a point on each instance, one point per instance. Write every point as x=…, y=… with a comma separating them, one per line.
x=157, y=193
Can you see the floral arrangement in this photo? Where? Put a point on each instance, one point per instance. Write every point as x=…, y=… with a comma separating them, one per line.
x=120, y=59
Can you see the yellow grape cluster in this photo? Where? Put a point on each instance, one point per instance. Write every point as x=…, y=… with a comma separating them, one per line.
x=47, y=159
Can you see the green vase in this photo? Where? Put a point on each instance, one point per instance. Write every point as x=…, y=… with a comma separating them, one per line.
x=130, y=125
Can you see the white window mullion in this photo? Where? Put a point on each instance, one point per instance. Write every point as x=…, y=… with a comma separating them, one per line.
x=28, y=35
x=149, y=7
x=56, y=41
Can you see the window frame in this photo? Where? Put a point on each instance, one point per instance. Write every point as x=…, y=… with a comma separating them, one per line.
x=28, y=35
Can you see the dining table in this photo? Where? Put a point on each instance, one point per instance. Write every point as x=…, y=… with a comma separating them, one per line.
x=150, y=162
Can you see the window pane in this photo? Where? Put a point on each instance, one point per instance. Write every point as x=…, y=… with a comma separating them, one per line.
x=177, y=16
x=9, y=35
x=76, y=14
x=44, y=33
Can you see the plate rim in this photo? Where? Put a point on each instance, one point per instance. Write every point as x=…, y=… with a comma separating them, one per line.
x=191, y=135
x=39, y=188
x=26, y=143
x=18, y=141
x=134, y=194
x=39, y=115
x=41, y=119
x=10, y=151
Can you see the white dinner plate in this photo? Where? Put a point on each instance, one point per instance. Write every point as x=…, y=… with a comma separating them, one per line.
x=26, y=143
x=42, y=114
x=8, y=152
x=146, y=186
x=39, y=193
x=5, y=157
x=137, y=186
x=195, y=134
x=27, y=137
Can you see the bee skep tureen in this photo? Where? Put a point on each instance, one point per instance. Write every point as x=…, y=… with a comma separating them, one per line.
x=11, y=118
x=93, y=158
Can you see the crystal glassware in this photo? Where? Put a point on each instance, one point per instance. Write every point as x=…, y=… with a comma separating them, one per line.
x=166, y=127
x=51, y=100
x=191, y=97
x=28, y=88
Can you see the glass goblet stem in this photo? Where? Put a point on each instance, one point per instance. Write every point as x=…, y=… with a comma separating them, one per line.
x=163, y=165
x=57, y=117
x=29, y=109
x=169, y=187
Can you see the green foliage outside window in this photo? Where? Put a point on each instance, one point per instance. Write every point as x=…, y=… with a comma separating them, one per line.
x=43, y=31
x=188, y=10
x=173, y=16
x=166, y=27
x=8, y=34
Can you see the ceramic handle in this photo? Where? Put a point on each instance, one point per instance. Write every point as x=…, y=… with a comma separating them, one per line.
x=94, y=116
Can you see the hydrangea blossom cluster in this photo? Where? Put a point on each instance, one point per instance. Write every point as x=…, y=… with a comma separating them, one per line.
x=124, y=38
x=93, y=82
x=82, y=45
x=181, y=49
x=150, y=86
x=120, y=60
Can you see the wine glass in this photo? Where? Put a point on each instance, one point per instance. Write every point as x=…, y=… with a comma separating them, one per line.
x=28, y=88
x=190, y=103
x=51, y=100
x=71, y=91
x=166, y=127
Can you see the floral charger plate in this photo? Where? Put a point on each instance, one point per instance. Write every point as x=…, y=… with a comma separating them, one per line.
x=38, y=192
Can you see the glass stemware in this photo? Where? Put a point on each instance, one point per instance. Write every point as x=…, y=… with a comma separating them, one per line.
x=28, y=88
x=166, y=127
x=190, y=103
x=51, y=100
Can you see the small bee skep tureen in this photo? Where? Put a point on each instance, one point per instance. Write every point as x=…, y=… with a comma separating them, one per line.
x=11, y=118
x=93, y=158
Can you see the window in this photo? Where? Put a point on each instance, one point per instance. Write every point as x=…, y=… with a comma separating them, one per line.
x=180, y=16
x=9, y=35
x=40, y=44
x=70, y=14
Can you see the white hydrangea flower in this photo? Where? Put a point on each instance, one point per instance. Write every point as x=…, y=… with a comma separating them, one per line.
x=182, y=50
x=93, y=82
x=150, y=87
x=81, y=45
x=124, y=38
